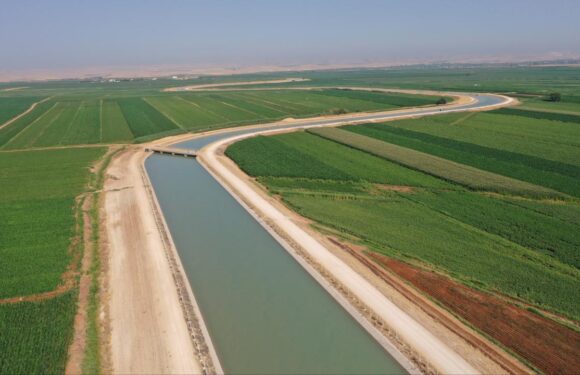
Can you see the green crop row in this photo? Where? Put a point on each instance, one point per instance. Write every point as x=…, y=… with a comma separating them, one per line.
x=392, y=99
x=35, y=336
x=550, y=140
x=142, y=118
x=36, y=212
x=467, y=176
x=302, y=155
x=504, y=217
x=74, y=120
x=113, y=124
x=11, y=131
x=536, y=170
x=13, y=106
x=562, y=117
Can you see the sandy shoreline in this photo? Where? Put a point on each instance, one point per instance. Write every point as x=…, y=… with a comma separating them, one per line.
x=149, y=333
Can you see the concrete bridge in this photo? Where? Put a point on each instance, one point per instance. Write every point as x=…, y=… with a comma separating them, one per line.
x=173, y=151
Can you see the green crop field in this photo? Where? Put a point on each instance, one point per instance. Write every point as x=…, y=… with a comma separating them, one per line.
x=461, y=174
x=15, y=128
x=568, y=105
x=38, y=207
x=11, y=107
x=70, y=120
x=37, y=212
x=488, y=241
x=114, y=127
x=302, y=155
x=543, y=152
x=35, y=336
x=541, y=115
x=463, y=194
x=557, y=142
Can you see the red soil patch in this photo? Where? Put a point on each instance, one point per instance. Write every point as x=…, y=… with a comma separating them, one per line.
x=549, y=346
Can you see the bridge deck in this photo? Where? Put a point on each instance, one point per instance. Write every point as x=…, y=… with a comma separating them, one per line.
x=173, y=151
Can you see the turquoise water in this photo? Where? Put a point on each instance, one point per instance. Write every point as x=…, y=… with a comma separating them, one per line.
x=264, y=312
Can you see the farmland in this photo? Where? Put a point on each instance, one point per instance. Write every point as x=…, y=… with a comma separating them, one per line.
x=38, y=252
x=13, y=106
x=35, y=336
x=488, y=201
x=40, y=215
x=73, y=120
x=490, y=233
x=458, y=173
x=540, y=151
x=415, y=231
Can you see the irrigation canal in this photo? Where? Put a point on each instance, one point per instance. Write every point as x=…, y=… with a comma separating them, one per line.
x=264, y=312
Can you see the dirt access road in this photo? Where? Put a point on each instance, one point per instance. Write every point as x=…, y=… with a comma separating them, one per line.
x=228, y=84
x=30, y=109
x=148, y=331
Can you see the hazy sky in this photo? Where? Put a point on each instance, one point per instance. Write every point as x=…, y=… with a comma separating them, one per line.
x=60, y=34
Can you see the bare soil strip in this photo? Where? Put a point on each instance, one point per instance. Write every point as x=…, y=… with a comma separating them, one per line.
x=547, y=345
x=497, y=354
x=15, y=88
x=78, y=346
x=30, y=109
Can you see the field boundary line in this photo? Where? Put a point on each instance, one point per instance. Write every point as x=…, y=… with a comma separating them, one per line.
x=101, y=120
x=145, y=99
x=212, y=113
x=555, y=111
x=71, y=124
x=254, y=100
x=32, y=124
x=28, y=126
x=283, y=105
x=463, y=118
x=241, y=109
x=30, y=109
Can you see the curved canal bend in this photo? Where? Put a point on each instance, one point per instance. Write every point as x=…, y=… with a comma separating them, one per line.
x=264, y=312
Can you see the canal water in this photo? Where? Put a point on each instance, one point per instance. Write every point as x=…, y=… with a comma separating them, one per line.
x=264, y=312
